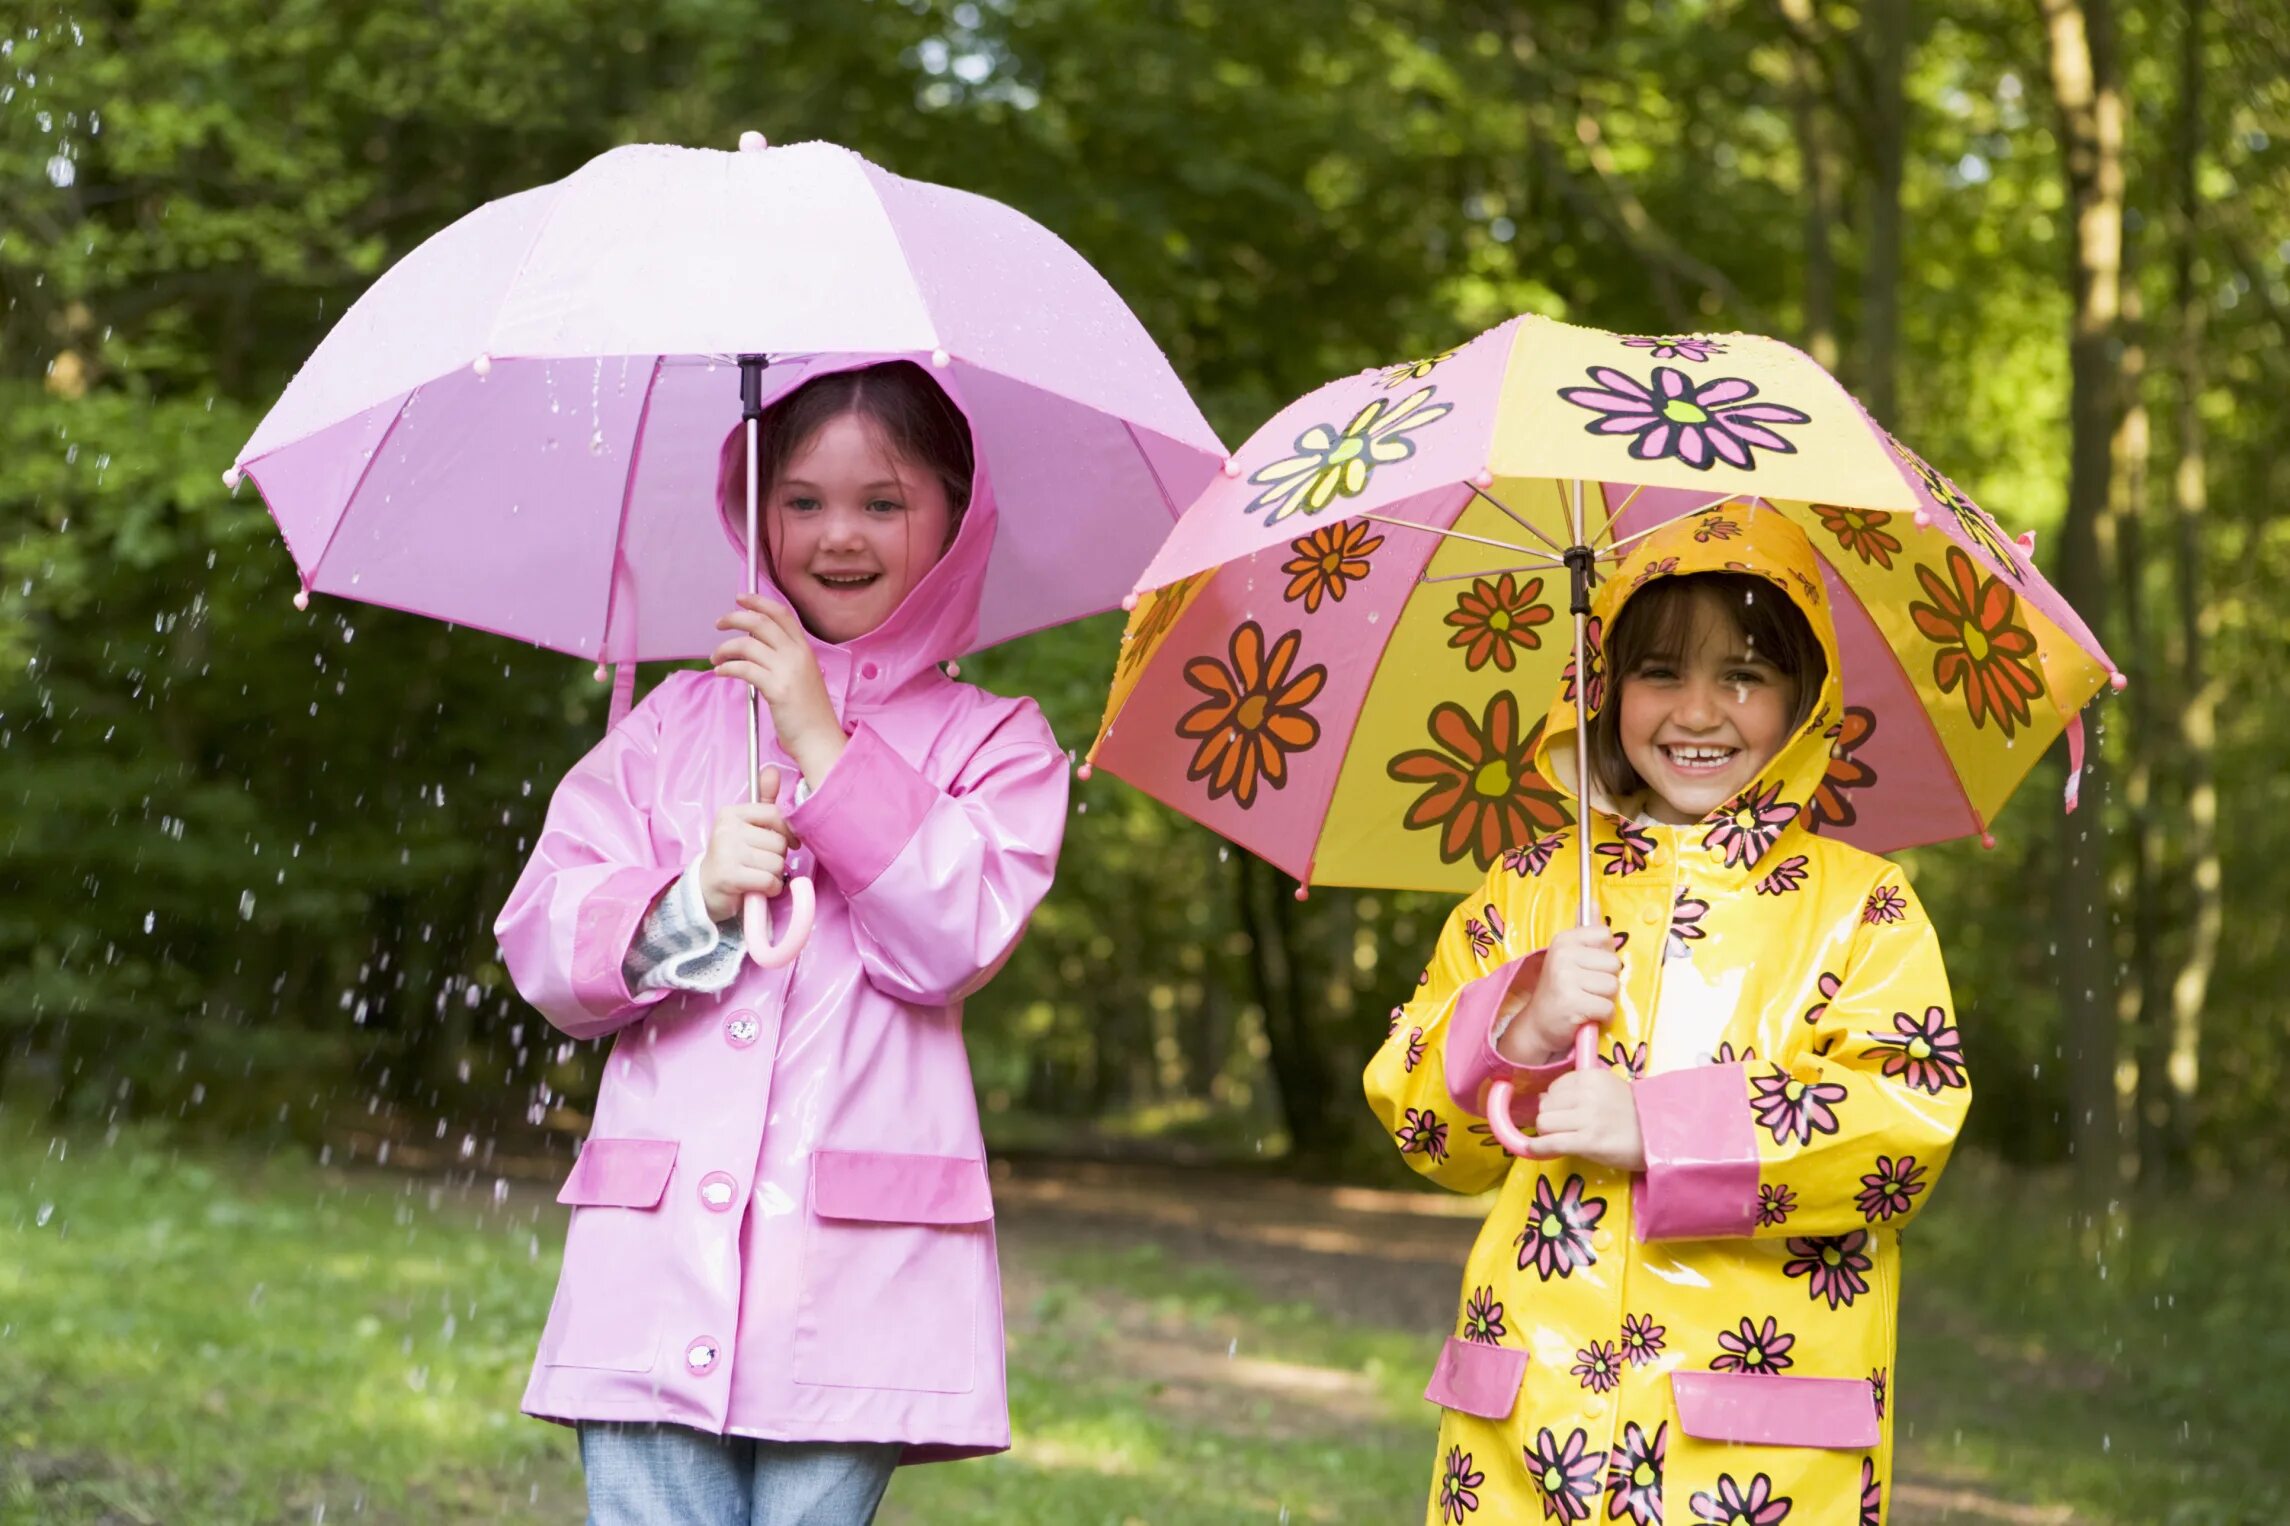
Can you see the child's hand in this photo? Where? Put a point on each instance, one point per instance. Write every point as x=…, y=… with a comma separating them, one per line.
x=747, y=851
x=774, y=655
x=1590, y=1114
x=1581, y=976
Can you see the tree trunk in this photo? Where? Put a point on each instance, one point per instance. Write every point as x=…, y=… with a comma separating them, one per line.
x=2085, y=86
x=1299, y=1070
x=2197, y=621
x=1886, y=23
x=1819, y=210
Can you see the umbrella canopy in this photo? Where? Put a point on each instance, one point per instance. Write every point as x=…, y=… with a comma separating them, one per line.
x=516, y=428
x=1342, y=653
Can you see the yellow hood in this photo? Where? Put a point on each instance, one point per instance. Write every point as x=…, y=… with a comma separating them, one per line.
x=1745, y=537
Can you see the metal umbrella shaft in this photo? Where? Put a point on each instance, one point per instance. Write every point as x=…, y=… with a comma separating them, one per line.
x=755, y=909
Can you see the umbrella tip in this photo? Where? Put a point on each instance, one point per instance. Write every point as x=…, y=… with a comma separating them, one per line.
x=753, y=142
x=301, y=598
x=2027, y=540
x=1082, y=773
x=2118, y=680
x=1987, y=839
x=954, y=670
x=1303, y=893
x=1129, y=602
x=232, y=477
x=482, y=365
x=1232, y=466
x=1923, y=521
x=601, y=674
x=1483, y=478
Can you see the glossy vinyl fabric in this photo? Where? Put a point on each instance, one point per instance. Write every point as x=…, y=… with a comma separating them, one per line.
x=1711, y=1339
x=781, y=1225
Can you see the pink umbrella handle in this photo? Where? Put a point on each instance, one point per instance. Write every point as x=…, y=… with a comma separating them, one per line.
x=755, y=924
x=1500, y=1091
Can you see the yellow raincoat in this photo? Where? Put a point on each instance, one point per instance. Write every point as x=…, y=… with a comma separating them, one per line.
x=1709, y=1340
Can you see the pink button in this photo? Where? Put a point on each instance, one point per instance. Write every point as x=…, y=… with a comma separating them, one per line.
x=700, y=1356
x=718, y=1191
x=742, y=1028
x=868, y=670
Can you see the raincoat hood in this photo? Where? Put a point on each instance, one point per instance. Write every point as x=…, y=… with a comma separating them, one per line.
x=1740, y=537
x=937, y=621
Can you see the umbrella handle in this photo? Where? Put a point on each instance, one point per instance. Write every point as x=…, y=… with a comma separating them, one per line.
x=755, y=924
x=1505, y=1128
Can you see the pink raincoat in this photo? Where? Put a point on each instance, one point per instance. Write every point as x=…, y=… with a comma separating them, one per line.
x=781, y=1225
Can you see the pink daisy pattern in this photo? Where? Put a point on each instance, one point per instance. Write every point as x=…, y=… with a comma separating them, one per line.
x=1484, y=934
x=1925, y=1052
x=1652, y=570
x=1631, y=1062
x=1414, y=1056
x=1794, y=1109
x=1750, y=824
x=1877, y=1387
x=1599, y=1366
x=1642, y=1339
x=1775, y=1203
x=1754, y=1348
x=1675, y=346
x=1790, y=874
x=1483, y=1317
x=1885, y=904
x=1632, y=849
x=1835, y=1267
x=1458, y=1486
x=1726, y=1054
x=1634, y=1478
x=1733, y=1505
x=1535, y=857
x=1715, y=527
x=1566, y=1476
x=1685, y=925
x=1890, y=1189
x=1556, y=1239
x=1827, y=985
x=1594, y=658
x=1872, y=1494
x=1423, y=1134
x=1673, y=416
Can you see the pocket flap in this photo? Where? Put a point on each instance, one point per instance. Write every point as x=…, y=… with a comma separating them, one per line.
x=620, y=1173
x=1765, y=1409
x=1477, y=1379
x=878, y=1187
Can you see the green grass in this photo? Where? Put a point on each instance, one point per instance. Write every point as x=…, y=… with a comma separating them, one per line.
x=209, y=1338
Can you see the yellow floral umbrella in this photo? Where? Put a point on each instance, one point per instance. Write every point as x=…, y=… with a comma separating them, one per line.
x=1338, y=658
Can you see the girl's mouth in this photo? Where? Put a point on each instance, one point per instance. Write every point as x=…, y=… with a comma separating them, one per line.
x=1699, y=759
x=846, y=582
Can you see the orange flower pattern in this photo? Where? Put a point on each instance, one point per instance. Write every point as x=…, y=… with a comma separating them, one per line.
x=1482, y=792
x=1832, y=802
x=1860, y=531
x=1984, y=652
x=1254, y=718
x=1328, y=561
x=1495, y=617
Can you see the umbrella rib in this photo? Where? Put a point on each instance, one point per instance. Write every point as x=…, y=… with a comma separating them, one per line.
x=620, y=524
x=1612, y=519
x=1491, y=572
x=1516, y=517
x=1638, y=535
x=1500, y=545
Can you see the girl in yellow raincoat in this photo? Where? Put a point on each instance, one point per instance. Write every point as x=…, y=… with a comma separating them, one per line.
x=1682, y=1309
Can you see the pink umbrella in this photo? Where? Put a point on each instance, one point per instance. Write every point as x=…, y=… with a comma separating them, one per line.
x=516, y=428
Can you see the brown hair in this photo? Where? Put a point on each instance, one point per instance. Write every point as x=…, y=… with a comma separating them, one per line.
x=911, y=415
x=1659, y=621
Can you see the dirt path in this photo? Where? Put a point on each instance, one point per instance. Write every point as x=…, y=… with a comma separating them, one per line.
x=1364, y=1255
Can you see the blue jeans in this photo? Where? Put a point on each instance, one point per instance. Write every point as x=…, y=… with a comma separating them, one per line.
x=671, y=1475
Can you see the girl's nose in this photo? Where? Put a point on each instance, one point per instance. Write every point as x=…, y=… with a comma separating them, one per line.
x=1699, y=705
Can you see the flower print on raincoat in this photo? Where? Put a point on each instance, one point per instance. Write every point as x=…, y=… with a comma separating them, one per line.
x=1803, y=1086
x=781, y=1225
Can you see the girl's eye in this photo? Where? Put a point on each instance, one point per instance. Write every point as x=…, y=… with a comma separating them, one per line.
x=884, y=506
x=1655, y=670
x=802, y=505
x=1745, y=676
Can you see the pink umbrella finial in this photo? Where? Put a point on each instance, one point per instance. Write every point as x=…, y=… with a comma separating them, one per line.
x=753, y=142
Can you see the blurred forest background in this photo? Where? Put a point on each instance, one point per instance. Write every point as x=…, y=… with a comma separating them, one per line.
x=252, y=855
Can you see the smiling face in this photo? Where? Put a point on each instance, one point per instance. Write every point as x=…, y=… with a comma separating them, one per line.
x=852, y=527
x=1699, y=723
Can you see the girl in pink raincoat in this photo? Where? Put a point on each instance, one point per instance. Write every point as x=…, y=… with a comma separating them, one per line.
x=779, y=1281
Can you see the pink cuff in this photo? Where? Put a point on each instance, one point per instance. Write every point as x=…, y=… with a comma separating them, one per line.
x=1701, y=1154
x=604, y=931
x=865, y=814
x=1470, y=1055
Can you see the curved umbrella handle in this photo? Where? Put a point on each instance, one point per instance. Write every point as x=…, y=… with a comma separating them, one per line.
x=755, y=924
x=1505, y=1128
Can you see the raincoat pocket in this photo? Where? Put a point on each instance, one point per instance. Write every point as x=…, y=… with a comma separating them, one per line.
x=605, y=1314
x=894, y=1261
x=1474, y=1378
x=1766, y=1409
